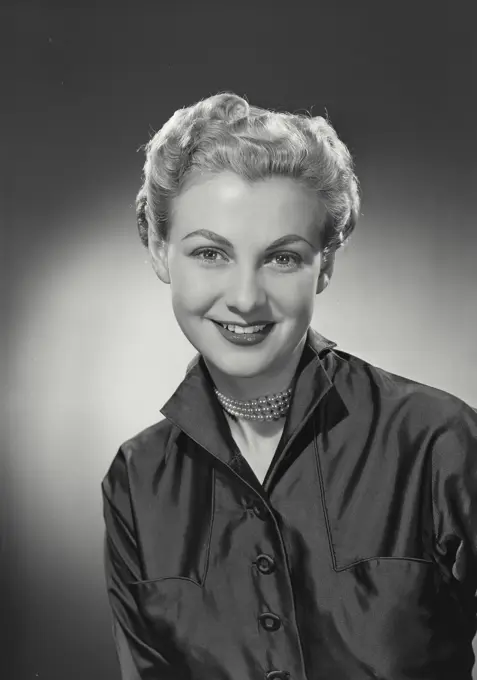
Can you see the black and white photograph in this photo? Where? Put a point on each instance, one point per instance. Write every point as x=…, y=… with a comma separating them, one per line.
x=240, y=384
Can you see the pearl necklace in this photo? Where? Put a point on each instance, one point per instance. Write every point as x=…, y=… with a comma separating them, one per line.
x=268, y=407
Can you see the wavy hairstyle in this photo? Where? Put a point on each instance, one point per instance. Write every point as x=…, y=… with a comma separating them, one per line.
x=223, y=132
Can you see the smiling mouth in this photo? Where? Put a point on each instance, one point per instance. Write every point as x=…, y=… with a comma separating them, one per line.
x=234, y=328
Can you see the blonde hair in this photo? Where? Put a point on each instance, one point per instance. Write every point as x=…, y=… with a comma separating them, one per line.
x=223, y=132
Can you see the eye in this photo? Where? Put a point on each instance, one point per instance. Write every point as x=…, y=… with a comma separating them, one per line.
x=287, y=260
x=208, y=255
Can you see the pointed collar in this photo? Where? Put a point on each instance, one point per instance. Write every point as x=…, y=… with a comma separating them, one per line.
x=195, y=410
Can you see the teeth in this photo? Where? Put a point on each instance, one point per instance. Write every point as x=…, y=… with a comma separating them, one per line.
x=242, y=329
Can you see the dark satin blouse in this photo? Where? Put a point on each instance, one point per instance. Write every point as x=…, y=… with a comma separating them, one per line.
x=356, y=558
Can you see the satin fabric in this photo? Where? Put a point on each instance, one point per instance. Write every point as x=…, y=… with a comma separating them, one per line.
x=356, y=558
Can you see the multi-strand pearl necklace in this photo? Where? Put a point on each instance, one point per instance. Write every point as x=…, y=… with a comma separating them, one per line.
x=268, y=407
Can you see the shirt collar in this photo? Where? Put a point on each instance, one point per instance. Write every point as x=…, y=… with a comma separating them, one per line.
x=195, y=410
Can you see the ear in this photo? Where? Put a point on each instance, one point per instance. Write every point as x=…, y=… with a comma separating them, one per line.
x=326, y=272
x=158, y=251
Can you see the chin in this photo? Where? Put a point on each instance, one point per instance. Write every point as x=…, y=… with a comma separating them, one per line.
x=236, y=369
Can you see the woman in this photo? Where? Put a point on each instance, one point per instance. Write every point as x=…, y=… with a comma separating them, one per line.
x=298, y=513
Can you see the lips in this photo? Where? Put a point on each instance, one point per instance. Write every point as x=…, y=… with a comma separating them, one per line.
x=255, y=324
x=244, y=335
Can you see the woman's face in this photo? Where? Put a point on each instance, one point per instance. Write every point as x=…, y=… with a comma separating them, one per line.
x=247, y=255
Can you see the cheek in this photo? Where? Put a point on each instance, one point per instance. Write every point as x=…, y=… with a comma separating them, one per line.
x=190, y=291
x=295, y=295
x=189, y=299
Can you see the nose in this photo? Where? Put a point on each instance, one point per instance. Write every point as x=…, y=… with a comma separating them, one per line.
x=245, y=291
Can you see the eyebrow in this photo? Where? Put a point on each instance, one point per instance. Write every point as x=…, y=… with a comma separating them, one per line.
x=221, y=240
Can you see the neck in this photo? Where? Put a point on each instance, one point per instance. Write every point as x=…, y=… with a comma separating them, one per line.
x=251, y=433
x=243, y=388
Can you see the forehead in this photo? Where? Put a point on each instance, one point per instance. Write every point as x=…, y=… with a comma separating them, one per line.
x=229, y=205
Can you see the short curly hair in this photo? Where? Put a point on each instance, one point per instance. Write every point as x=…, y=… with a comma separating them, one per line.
x=223, y=132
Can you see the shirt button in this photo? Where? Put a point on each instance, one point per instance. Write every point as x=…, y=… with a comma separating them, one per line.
x=258, y=509
x=277, y=675
x=270, y=622
x=265, y=564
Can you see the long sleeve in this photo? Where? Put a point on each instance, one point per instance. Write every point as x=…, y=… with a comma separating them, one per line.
x=454, y=490
x=139, y=656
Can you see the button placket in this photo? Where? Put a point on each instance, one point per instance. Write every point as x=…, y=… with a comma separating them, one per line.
x=267, y=565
